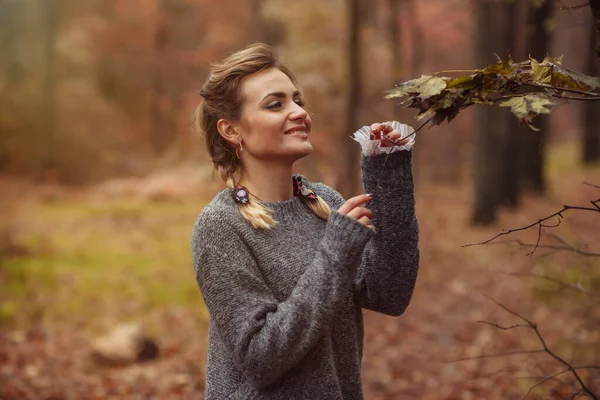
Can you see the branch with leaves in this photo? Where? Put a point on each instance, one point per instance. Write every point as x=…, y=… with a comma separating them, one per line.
x=529, y=88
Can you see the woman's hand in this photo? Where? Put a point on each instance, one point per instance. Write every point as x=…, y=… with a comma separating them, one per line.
x=354, y=209
x=387, y=136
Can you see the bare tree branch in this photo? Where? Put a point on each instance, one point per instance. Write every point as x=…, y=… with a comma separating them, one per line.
x=534, y=327
x=572, y=247
x=563, y=7
x=540, y=224
x=510, y=353
x=546, y=379
x=563, y=284
x=589, y=184
x=551, y=247
x=505, y=328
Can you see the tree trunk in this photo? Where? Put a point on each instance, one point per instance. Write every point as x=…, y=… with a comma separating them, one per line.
x=349, y=178
x=493, y=151
x=160, y=137
x=509, y=164
x=416, y=38
x=591, y=110
x=10, y=19
x=533, y=144
x=394, y=29
x=49, y=115
x=595, y=6
x=257, y=20
x=266, y=30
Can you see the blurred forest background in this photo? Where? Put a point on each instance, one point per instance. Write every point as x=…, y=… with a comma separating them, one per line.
x=102, y=176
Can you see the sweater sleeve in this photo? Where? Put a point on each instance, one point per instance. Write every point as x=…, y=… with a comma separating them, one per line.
x=267, y=337
x=387, y=273
x=386, y=277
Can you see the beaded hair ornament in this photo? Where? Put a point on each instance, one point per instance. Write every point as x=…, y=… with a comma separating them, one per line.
x=241, y=194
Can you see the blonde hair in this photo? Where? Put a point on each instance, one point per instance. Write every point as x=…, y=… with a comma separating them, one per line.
x=221, y=99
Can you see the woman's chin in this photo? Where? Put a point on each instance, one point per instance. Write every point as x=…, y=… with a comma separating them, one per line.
x=301, y=150
x=306, y=149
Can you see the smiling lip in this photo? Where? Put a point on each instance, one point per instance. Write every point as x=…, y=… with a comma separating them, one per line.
x=299, y=128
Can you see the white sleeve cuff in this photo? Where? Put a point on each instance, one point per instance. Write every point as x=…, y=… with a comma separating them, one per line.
x=373, y=147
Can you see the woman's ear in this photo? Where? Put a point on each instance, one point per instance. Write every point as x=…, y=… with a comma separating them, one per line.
x=227, y=129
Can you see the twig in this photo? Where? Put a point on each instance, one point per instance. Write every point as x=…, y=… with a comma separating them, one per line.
x=571, y=247
x=534, y=327
x=589, y=184
x=562, y=7
x=546, y=379
x=540, y=224
x=510, y=353
x=589, y=98
x=456, y=70
x=581, y=92
x=563, y=284
x=575, y=395
x=504, y=328
x=552, y=247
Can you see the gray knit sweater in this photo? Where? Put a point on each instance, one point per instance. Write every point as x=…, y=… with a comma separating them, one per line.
x=285, y=304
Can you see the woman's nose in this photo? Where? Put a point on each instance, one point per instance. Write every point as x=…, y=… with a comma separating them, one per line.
x=298, y=112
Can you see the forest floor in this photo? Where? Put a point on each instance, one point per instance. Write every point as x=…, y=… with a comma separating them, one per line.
x=78, y=263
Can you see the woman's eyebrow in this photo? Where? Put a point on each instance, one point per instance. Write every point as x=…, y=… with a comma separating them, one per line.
x=281, y=95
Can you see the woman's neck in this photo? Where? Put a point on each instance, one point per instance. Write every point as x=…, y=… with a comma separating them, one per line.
x=270, y=182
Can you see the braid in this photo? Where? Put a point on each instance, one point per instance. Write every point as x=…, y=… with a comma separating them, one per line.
x=259, y=216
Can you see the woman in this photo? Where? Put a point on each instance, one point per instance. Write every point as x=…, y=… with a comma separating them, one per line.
x=285, y=265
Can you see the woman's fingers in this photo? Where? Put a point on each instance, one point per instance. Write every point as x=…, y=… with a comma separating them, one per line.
x=354, y=208
x=375, y=127
x=375, y=131
x=353, y=202
x=360, y=212
x=393, y=139
x=386, y=128
x=366, y=222
x=379, y=129
x=388, y=136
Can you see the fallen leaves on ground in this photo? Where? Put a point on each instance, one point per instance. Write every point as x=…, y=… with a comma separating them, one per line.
x=433, y=351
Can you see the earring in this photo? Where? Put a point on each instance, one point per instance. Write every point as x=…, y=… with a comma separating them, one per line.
x=241, y=151
x=301, y=190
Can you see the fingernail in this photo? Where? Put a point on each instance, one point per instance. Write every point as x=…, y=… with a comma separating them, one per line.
x=369, y=194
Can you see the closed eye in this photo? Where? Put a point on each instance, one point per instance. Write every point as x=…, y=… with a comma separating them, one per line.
x=273, y=105
x=277, y=104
